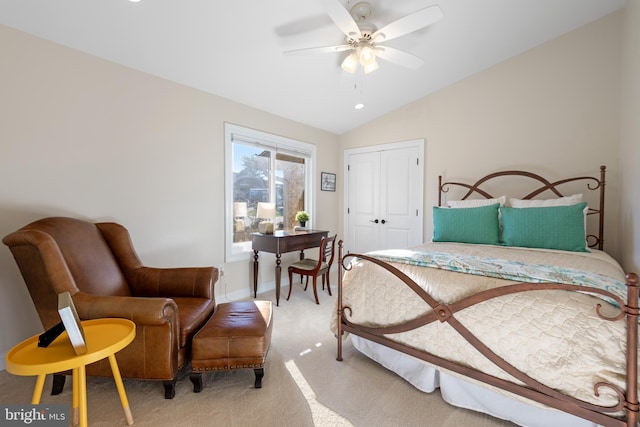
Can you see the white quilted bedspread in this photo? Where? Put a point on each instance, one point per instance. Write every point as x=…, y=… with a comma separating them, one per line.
x=555, y=337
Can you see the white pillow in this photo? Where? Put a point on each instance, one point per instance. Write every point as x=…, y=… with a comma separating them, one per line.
x=476, y=203
x=560, y=201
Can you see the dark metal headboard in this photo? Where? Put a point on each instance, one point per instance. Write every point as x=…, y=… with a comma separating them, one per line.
x=592, y=183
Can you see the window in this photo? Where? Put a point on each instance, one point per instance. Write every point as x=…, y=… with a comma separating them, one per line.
x=268, y=171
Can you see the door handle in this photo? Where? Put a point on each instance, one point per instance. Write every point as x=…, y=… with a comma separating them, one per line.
x=374, y=220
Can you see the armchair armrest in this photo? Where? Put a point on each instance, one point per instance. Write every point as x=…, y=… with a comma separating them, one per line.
x=142, y=311
x=145, y=281
x=195, y=282
x=155, y=352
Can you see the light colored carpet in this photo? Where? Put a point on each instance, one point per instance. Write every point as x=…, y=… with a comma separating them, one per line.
x=303, y=386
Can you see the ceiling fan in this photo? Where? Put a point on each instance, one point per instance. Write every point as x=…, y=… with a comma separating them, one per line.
x=363, y=39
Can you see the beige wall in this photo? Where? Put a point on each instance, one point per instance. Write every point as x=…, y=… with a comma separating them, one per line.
x=553, y=110
x=630, y=140
x=86, y=138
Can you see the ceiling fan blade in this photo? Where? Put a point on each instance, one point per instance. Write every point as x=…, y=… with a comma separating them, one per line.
x=342, y=18
x=412, y=22
x=399, y=57
x=314, y=50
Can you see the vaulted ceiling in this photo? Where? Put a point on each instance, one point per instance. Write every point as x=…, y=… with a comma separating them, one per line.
x=234, y=49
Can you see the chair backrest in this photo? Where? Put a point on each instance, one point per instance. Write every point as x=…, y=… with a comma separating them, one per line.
x=60, y=254
x=327, y=250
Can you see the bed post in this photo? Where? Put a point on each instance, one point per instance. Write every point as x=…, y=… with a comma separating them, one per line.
x=631, y=404
x=339, y=305
x=601, y=213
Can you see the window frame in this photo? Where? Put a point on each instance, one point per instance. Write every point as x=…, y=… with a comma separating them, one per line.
x=234, y=133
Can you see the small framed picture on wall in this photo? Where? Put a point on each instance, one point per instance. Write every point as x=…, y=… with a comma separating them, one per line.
x=328, y=181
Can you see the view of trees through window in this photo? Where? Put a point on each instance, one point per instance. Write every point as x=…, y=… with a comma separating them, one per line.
x=264, y=175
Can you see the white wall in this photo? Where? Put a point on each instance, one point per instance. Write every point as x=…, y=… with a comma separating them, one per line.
x=630, y=140
x=90, y=139
x=553, y=110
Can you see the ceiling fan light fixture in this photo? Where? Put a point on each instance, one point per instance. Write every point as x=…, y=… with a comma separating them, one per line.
x=350, y=63
x=367, y=55
x=370, y=66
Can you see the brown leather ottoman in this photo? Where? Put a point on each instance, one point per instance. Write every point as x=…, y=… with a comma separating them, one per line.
x=237, y=336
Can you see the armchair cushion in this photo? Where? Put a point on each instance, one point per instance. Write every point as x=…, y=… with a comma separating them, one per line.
x=193, y=313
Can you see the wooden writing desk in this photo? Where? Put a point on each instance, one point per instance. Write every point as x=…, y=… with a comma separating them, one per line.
x=278, y=243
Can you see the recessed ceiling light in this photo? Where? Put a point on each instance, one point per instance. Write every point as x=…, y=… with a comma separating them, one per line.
x=359, y=106
x=134, y=1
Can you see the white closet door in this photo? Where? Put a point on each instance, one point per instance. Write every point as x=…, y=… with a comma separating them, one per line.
x=384, y=197
x=400, y=206
x=364, y=206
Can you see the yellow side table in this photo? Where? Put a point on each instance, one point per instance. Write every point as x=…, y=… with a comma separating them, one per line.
x=104, y=337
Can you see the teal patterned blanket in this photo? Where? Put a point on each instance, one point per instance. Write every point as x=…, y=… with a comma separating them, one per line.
x=504, y=269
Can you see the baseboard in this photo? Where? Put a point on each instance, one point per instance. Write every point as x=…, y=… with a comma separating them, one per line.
x=242, y=294
x=247, y=293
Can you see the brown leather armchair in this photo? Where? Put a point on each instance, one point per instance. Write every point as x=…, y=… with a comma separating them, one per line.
x=98, y=265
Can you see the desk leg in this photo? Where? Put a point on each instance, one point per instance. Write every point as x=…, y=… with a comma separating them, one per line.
x=82, y=394
x=37, y=390
x=301, y=258
x=278, y=275
x=123, y=395
x=255, y=274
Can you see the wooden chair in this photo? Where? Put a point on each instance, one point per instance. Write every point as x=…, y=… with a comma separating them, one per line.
x=315, y=267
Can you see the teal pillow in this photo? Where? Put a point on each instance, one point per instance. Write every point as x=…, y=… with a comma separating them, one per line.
x=467, y=225
x=555, y=227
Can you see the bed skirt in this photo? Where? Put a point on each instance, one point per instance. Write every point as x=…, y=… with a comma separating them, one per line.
x=463, y=393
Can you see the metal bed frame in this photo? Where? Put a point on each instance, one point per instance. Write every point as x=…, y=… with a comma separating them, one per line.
x=629, y=313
